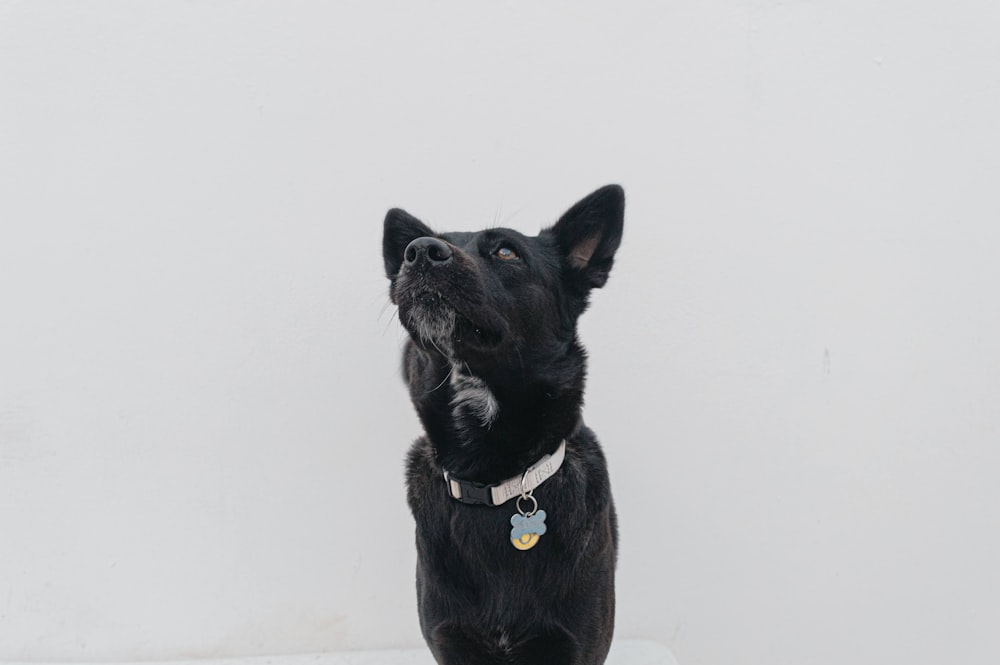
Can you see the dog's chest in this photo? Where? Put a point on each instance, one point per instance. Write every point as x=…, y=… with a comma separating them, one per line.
x=472, y=398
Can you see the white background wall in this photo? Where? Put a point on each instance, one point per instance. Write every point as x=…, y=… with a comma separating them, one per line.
x=795, y=367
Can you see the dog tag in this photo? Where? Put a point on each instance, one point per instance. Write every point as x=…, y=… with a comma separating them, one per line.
x=527, y=529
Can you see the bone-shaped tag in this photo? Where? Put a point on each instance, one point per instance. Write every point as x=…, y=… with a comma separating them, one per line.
x=527, y=529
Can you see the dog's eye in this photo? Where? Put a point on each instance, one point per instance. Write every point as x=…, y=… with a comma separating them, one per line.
x=506, y=254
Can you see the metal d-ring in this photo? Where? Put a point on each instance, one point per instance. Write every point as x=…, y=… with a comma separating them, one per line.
x=534, y=505
x=526, y=495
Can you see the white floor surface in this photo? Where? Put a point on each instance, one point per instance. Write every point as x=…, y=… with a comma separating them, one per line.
x=623, y=652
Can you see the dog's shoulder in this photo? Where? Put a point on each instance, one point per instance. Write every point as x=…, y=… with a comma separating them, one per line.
x=589, y=480
x=424, y=477
x=585, y=459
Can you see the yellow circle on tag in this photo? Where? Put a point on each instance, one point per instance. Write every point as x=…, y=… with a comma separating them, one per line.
x=526, y=541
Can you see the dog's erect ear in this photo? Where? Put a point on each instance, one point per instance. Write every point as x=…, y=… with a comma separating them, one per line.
x=398, y=230
x=589, y=234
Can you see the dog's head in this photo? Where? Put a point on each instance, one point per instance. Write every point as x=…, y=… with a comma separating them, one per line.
x=497, y=300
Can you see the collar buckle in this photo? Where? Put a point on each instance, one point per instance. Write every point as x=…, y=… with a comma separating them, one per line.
x=471, y=492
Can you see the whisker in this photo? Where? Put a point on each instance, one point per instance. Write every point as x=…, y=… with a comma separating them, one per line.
x=385, y=308
x=511, y=216
x=434, y=344
x=388, y=322
x=520, y=361
x=443, y=381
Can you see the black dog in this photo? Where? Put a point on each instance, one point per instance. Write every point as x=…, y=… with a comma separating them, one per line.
x=516, y=529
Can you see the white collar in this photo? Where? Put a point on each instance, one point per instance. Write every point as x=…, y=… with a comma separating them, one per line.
x=494, y=495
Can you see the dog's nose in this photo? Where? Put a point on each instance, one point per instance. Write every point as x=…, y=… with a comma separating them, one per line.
x=436, y=251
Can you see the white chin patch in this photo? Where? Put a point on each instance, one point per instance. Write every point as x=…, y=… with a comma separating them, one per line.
x=434, y=328
x=472, y=398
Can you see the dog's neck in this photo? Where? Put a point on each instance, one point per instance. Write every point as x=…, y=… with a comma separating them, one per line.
x=487, y=429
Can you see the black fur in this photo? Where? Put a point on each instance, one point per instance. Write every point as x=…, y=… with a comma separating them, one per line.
x=496, y=373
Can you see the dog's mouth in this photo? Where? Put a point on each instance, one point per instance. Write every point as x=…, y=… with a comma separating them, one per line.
x=475, y=334
x=436, y=322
